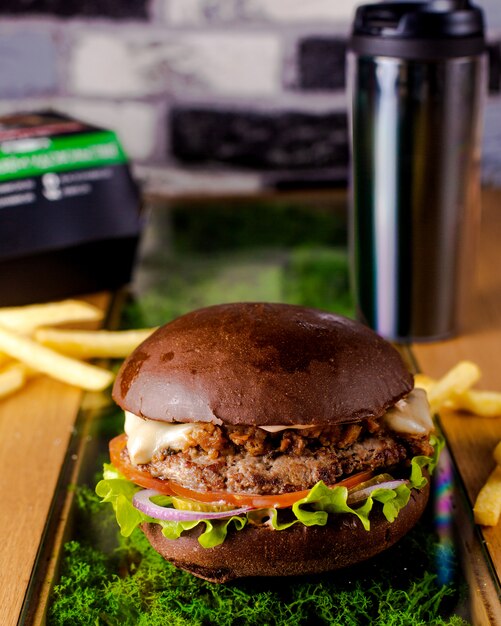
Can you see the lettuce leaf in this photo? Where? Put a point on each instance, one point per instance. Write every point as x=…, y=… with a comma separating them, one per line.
x=312, y=510
x=119, y=491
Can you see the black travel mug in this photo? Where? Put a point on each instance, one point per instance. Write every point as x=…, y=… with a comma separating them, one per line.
x=416, y=82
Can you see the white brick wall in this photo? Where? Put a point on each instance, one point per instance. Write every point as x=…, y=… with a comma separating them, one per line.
x=184, y=12
x=492, y=14
x=136, y=123
x=104, y=64
x=126, y=64
x=126, y=75
x=309, y=11
x=28, y=61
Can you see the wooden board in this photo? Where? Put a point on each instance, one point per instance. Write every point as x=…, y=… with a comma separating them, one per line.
x=35, y=427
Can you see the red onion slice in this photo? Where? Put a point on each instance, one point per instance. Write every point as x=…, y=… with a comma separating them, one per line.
x=362, y=494
x=142, y=501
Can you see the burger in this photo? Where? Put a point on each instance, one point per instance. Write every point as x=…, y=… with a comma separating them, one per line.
x=268, y=439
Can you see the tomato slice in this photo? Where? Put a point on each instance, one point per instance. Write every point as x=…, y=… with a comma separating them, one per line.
x=133, y=473
x=144, y=479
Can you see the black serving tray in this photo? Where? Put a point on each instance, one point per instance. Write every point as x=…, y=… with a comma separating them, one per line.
x=193, y=255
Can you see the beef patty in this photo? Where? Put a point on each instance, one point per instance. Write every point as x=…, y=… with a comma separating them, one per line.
x=247, y=459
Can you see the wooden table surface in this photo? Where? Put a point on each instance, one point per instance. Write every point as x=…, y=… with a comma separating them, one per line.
x=36, y=426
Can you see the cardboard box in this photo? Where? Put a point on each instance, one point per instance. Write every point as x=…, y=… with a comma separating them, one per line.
x=69, y=209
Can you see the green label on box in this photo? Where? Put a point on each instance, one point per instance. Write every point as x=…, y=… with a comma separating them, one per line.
x=35, y=156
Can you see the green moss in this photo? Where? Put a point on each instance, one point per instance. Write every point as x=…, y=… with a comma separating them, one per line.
x=210, y=253
x=238, y=226
x=319, y=277
x=75, y=599
x=309, y=276
x=128, y=583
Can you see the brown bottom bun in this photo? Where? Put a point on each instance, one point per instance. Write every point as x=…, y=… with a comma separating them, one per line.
x=261, y=551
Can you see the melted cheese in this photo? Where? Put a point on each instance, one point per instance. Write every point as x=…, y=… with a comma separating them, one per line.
x=276, y=429
x=145, y=438
x=410, y=415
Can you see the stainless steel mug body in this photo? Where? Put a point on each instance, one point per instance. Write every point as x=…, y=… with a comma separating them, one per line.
x=415, y=182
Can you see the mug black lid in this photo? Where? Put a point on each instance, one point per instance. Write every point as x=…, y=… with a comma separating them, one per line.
x=442, y=28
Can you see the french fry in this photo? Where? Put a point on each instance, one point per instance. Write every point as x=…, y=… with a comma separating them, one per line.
x=497, y=453
x=422, y=381
x=88, y=344
x=487, y=508
x=5, y=360
x=12, y=378
x=52, y=363
x=482, y=403
x=457, y=380
x=24, y=319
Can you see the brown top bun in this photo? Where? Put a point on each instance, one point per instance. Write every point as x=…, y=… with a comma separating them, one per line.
x=257, y=363
x=260, y=551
